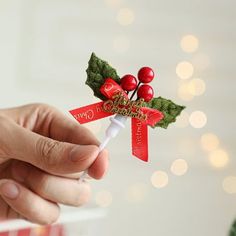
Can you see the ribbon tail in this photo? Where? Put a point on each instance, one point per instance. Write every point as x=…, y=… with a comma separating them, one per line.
x=90, y=113
x=139, y=139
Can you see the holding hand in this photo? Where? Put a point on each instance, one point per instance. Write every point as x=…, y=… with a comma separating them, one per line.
x=42, y=153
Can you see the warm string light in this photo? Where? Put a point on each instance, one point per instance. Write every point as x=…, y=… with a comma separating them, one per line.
x=198, y=119
x=189, y=43
x=159, y=179
x=188, y=90
x=179, y=167
x=125, y=16
x=209, y=142
x=183, y=92
x=196, y=87
x=184, y=70
x=218, y=158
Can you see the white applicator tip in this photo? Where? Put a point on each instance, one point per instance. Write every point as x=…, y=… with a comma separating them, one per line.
x=117, y=123
x=104, y=143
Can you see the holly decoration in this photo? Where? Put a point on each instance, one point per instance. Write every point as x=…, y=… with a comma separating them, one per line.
x=169, y=109
x=128, y=82
x=99, y=70
x=146, y=92
x=232, y=231
x=146, y=75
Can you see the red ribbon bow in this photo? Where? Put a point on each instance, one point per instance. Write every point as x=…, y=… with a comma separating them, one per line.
x=139, y=126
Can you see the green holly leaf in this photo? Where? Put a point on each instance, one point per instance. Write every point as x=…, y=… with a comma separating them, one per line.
x=169, y=109
x=233, y=229
x=98, y=70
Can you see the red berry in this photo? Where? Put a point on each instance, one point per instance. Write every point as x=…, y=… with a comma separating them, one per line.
x=146, y=75
x=128, y=82
x=146, y=92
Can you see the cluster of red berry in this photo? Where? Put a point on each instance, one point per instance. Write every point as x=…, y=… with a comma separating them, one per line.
x=145, y=91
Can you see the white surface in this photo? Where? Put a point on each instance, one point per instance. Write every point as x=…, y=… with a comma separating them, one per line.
x=74, y=216
x=44, y=49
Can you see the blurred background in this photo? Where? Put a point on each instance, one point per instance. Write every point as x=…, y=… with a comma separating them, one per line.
x=189, y=185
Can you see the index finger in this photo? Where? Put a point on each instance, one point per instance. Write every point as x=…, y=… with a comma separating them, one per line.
x=63, y=128
x=50, y=122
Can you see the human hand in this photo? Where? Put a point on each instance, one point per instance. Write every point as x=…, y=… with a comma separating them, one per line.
x=42, y=153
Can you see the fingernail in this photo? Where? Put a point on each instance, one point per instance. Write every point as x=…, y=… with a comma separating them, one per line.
x=79, y=153
x=9, y=190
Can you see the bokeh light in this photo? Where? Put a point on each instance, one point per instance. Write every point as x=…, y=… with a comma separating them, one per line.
x=159, y=179
x=125, y=16
x=196, y=87
x=209, y=141
x=183, y=92
x=103, y=198
x=189, y=43
x=184, y=70
x=121, y=44
x=137, y=192
x=183, y=120
x=218, y=158
x=179, y=167
x=198, y=119
x=229, y=184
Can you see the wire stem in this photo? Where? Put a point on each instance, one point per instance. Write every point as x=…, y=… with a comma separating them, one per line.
x=135, y=91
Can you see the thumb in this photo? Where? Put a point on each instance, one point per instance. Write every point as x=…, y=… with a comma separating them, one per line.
x=47, y=154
